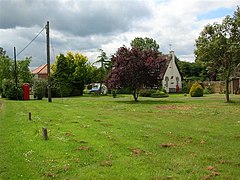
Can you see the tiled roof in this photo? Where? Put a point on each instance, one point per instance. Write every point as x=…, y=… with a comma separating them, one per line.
x=40, y=70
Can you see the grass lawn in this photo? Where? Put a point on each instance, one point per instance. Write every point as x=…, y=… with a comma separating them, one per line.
x=105, y=138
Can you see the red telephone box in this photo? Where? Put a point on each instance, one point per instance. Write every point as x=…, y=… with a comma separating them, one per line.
x=26, y=91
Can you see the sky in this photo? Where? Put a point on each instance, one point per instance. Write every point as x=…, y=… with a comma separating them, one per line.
x=85, y=26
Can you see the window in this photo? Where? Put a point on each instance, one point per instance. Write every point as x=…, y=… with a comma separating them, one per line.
x=166, y=79
x=177, y=79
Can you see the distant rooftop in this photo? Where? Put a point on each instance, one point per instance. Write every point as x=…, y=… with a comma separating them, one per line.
x=40, y=70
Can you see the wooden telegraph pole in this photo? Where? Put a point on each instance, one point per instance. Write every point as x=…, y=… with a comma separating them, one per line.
x=48, y=63
x=15, y=72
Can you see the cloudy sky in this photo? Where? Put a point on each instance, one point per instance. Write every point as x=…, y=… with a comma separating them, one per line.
x=84, y=26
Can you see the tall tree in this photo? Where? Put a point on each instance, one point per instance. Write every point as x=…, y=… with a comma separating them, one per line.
x=71, y=73
x=104, y=68
x=133, y=69
x=145, y=44
x=218, y=47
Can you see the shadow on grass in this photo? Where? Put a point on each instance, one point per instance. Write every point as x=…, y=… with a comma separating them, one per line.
x=234, y=102
x=150, y=102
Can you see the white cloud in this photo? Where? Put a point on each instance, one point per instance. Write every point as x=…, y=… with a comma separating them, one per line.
x=85, y=26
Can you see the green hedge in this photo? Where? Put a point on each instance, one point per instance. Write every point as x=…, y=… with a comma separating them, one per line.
x=159, y=94
x=147, y=92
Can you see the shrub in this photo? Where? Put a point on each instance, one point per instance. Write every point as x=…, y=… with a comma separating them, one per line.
x=196, y=90
x=159, y=94
x=9, y=90
x=39, y=88
x=114, y=94
x=146, y=92
x=124, y=91
x=186, y=87
x=208, y=90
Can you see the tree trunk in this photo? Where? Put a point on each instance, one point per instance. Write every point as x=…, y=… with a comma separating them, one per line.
x=227, y=90
x=135, y=95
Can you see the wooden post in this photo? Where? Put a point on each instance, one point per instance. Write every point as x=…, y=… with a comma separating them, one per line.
x=30, y=116
x=45, y=134
x=15, y=73
x=48, y=62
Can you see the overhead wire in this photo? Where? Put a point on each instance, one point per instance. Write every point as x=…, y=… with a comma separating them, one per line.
x=31, y=41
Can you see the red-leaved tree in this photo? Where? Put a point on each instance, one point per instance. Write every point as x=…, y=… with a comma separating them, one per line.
x=134, y=69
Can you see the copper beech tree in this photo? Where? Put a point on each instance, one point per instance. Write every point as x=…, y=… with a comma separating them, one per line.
x=134, y=69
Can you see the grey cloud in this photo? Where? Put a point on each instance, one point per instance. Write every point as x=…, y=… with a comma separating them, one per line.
x=81, y=18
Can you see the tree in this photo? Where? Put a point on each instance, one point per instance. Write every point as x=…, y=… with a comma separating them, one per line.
x=104, y=68
x=71, y=73
x=5, y=66
x=134, y=69
x=191, y=70
x=24, y=73
x=145, y=44
x=218, y=48
x=7, y=80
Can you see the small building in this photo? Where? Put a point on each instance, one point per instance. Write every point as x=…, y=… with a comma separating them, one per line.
x=40, y=72
x=170, y=74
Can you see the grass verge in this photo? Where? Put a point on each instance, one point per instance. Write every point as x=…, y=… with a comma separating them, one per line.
x=104, y=138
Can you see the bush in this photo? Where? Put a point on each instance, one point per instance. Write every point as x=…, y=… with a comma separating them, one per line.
x=146, y=92
x=186, y=87
x=208, y=90
x=124, y=91
x=39, y=88
x=9, y=90
x=159, y=94
x=196, y=90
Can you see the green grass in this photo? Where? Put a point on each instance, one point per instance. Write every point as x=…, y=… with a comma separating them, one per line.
x=107, y=138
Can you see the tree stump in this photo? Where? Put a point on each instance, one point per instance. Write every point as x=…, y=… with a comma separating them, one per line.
x=45, y=134
x=30, y=116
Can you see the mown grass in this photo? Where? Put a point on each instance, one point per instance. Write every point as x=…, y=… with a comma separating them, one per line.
x=104, y=138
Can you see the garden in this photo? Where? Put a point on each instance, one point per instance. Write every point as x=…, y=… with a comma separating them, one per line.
x=100, y=137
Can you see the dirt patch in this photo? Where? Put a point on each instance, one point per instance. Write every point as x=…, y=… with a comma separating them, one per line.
x=213, y=173
x=106, y=163
x=165, y=145
x=83, y=148
x=136, y=151
x=172, y=107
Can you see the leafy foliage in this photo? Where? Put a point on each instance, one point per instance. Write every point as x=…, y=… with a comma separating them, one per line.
x=10, y=90
x=196, y=90
x=192, y=70
x=71, y=73
x=7, y=70
x=218, y=48
x=134, y=69
x=145, y=44
x=146, y=92
x=159, y=94
x=39, y=88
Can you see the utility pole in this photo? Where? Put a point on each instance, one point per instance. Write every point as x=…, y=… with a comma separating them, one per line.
x=48, y=63
x=15, y=72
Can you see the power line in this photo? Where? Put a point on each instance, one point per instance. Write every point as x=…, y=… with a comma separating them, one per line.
x=31, y=41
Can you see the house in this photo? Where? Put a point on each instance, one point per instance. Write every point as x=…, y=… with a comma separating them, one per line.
x=170, y=76
x=235, y=81
x=40, y=72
